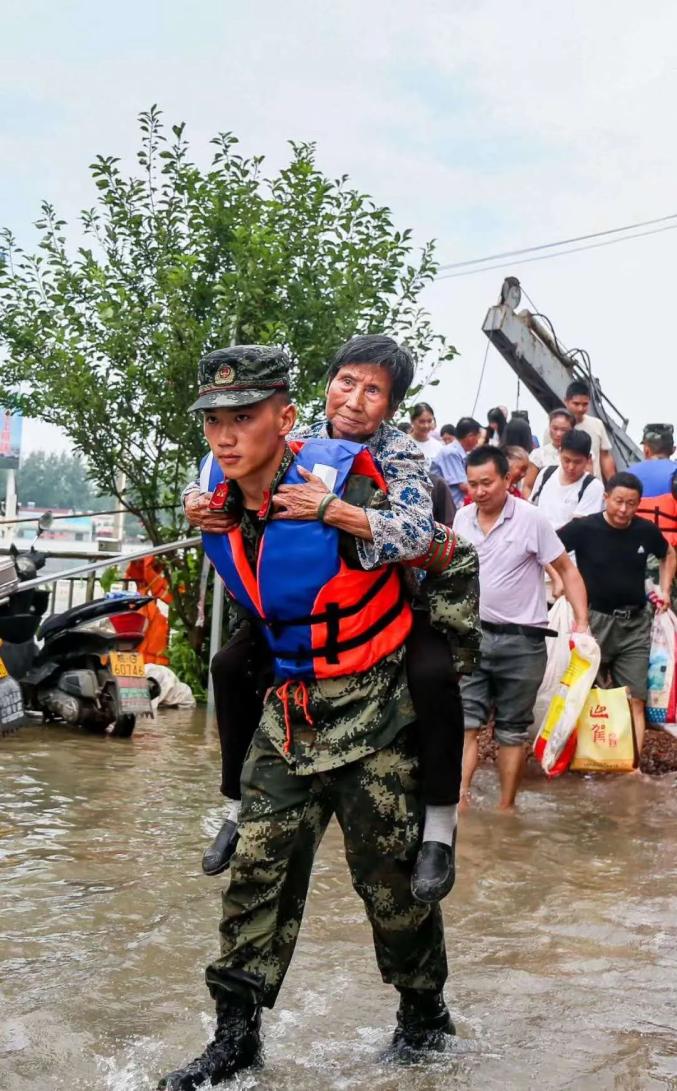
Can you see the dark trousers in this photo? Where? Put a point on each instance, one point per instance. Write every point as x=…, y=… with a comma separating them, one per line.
x=237, y=675
x=433, y=684
x=241, y=672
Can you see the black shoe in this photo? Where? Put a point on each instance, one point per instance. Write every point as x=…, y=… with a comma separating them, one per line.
x=236, y=1045
x=216, y=858
x=434, y=871
x=423, y=1023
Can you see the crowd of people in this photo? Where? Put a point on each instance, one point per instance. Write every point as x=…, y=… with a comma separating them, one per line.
x=619, y=527
x=391, y=595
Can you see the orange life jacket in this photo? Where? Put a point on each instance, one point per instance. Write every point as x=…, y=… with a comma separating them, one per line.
x=321, y=618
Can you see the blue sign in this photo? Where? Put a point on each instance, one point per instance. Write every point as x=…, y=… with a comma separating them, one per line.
x=10, y=439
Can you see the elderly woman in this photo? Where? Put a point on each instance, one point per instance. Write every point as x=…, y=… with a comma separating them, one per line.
x=368, y=379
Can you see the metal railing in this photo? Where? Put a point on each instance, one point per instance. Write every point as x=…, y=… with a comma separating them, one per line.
x=86, y=575
x=69, y=591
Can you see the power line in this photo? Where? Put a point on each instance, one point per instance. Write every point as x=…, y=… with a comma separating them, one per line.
x=562, y=242
x=558, y=254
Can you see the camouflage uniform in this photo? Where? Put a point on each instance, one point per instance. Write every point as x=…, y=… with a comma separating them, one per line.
x=347, y=749
x=284, y=815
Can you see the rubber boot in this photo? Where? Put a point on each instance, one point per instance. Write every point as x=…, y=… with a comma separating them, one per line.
x=236, y=1045
x=423, y=1023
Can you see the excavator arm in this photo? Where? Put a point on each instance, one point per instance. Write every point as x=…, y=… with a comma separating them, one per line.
x=529, y=344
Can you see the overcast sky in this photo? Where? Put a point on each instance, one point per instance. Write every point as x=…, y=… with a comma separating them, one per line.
x=485, y=125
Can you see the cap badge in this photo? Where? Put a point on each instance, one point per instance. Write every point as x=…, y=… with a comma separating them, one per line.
x=225, y=375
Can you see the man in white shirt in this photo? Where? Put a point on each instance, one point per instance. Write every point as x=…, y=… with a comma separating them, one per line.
x=560, y=422
x=568, y=491
x=514, y=543
x=577, y=401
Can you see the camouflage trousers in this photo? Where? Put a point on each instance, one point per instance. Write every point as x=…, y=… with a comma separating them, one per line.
x=283, y=818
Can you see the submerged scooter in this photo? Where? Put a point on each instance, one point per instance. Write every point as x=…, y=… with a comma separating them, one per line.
x=87, y=671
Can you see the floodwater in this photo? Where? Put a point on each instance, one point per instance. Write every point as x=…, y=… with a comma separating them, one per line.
x=560, y=932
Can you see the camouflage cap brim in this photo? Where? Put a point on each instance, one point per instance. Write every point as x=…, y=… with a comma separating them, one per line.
x=231, y=399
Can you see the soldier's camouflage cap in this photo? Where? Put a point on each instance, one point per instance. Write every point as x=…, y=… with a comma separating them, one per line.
x=240, y=375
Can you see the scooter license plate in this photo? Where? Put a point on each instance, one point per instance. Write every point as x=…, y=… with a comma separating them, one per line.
x=127, y=665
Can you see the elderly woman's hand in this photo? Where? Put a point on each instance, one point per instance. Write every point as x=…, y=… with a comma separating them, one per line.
x=300, y=501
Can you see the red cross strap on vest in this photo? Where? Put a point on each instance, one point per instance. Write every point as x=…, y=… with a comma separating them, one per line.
x=321, y=618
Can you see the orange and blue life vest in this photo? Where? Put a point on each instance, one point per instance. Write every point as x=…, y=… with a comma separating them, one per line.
x=321, y=618
x=659, y=498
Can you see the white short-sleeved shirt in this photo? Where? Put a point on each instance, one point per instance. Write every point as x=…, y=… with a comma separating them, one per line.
x=559, y=502
x=547, y=455
x=430, y=447
x=512, y=558
x=600, y=440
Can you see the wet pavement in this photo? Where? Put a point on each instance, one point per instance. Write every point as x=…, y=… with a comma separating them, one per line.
x=561, y=931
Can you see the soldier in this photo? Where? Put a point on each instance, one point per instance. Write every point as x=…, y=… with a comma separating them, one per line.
x=368, y=379
x=330, y=741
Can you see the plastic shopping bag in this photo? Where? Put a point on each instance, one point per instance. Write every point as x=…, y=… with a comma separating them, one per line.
x=661, y=667
x=671, y=716
x=605, y=739
x=556, y=740
x=560, y=619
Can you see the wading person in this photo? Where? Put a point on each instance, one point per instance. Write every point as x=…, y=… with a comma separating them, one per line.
x=450, y=463
x=335, y=735
x=577, y=401
x=560, y=421
x=515, y=543
x=568, y=491
x=422, y=420
x=612, y=549
x=518, y=461
x=658, y=476
x=368, y=378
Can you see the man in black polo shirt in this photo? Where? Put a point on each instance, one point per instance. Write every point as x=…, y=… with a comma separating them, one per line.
x=612, y=549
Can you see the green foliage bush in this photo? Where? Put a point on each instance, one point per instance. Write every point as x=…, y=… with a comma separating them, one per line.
x=103, y=339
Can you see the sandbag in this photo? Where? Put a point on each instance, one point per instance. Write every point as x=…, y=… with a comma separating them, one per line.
x=558, y=649
x=661, y=667
x=605, y=738
x=556, y=740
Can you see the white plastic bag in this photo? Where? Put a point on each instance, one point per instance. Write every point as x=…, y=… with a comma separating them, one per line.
x=560, y=618
x=556, y=740
x=661, y=667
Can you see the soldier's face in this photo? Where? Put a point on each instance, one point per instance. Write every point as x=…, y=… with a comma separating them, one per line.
x=247, y=439
x=358, y=400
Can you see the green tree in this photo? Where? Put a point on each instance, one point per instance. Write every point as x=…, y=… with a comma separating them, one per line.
x=178, y=260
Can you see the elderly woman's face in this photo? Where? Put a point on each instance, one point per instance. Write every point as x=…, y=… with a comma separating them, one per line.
x=358, y=400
